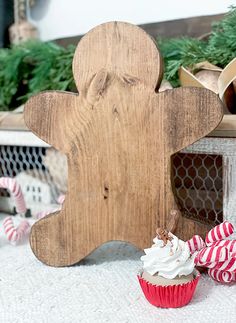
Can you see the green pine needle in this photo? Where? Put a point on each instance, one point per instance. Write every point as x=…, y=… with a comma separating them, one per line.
x=31, y=67
x=219, y=49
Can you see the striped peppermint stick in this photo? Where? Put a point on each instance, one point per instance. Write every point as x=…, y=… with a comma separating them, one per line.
x=9, y=229
x=42, y=214
x=219, y=232
x=233, y=255
x=15, y=190
x=23, y=229
x=229, y=244
x=61, y=199
x=228, y=265
x=15, y=235
x=195, y=243
x=210, y=255
x=222, y=276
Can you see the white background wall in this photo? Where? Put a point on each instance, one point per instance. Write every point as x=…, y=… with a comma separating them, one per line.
x=64, y=18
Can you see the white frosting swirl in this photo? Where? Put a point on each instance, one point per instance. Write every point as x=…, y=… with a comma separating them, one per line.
x=173, y=259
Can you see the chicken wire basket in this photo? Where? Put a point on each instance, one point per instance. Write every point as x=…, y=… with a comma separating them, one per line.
x=27, y=166
x=198, y=183
x=42, y=174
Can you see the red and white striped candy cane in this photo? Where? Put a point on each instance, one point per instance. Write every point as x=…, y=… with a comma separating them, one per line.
x=228, y=265
x=10, y=229
x=15, y=235
x=42, y=214
x=219, y=232
x=15, y=190
x=61, y=199
x=222, y=276
x=209, y=255
x=229, y=244
x=233, y=255
x=195, y=243
x=23, y=229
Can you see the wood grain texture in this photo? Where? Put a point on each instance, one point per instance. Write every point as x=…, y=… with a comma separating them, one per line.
x=118, y=135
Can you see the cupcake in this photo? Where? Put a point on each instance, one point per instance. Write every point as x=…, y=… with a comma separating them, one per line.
x=168, y=278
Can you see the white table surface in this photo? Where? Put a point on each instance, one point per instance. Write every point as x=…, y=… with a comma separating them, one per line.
x=104, y=288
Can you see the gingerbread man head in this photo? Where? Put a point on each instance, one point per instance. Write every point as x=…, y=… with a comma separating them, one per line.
x=114, y=47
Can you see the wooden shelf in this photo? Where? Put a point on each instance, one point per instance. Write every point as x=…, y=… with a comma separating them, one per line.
x=20, y=138
x=14, y=122
x=227, y=127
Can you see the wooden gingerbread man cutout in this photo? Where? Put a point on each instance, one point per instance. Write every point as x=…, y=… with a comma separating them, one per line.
x=118, y=135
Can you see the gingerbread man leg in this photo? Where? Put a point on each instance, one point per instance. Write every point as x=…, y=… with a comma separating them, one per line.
x=54, y=242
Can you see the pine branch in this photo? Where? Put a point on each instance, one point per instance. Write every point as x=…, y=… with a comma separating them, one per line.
x=178, y=52
x=219, y=50
x=31, y=67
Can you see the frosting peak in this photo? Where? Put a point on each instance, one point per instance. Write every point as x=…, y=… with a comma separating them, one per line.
x=169, y=258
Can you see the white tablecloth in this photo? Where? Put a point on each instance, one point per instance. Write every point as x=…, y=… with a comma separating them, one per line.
x=104, y=288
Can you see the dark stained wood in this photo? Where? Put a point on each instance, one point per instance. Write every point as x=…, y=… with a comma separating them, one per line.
x=192, y=27
x=118, y=135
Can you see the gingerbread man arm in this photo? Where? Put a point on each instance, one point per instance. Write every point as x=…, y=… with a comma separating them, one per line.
x=48, y=115
x=182, y=116
x=197, y=112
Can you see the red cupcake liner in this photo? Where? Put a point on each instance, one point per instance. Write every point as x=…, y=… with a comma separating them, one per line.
x=169, y=296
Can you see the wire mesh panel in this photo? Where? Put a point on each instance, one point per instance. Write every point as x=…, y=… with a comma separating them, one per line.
x=197, y=178
x=18, y=159
x=199, y=186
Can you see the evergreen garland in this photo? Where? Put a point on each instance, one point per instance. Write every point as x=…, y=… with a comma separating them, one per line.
x=31, y=67
x=180, y=52
x=219, y=49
